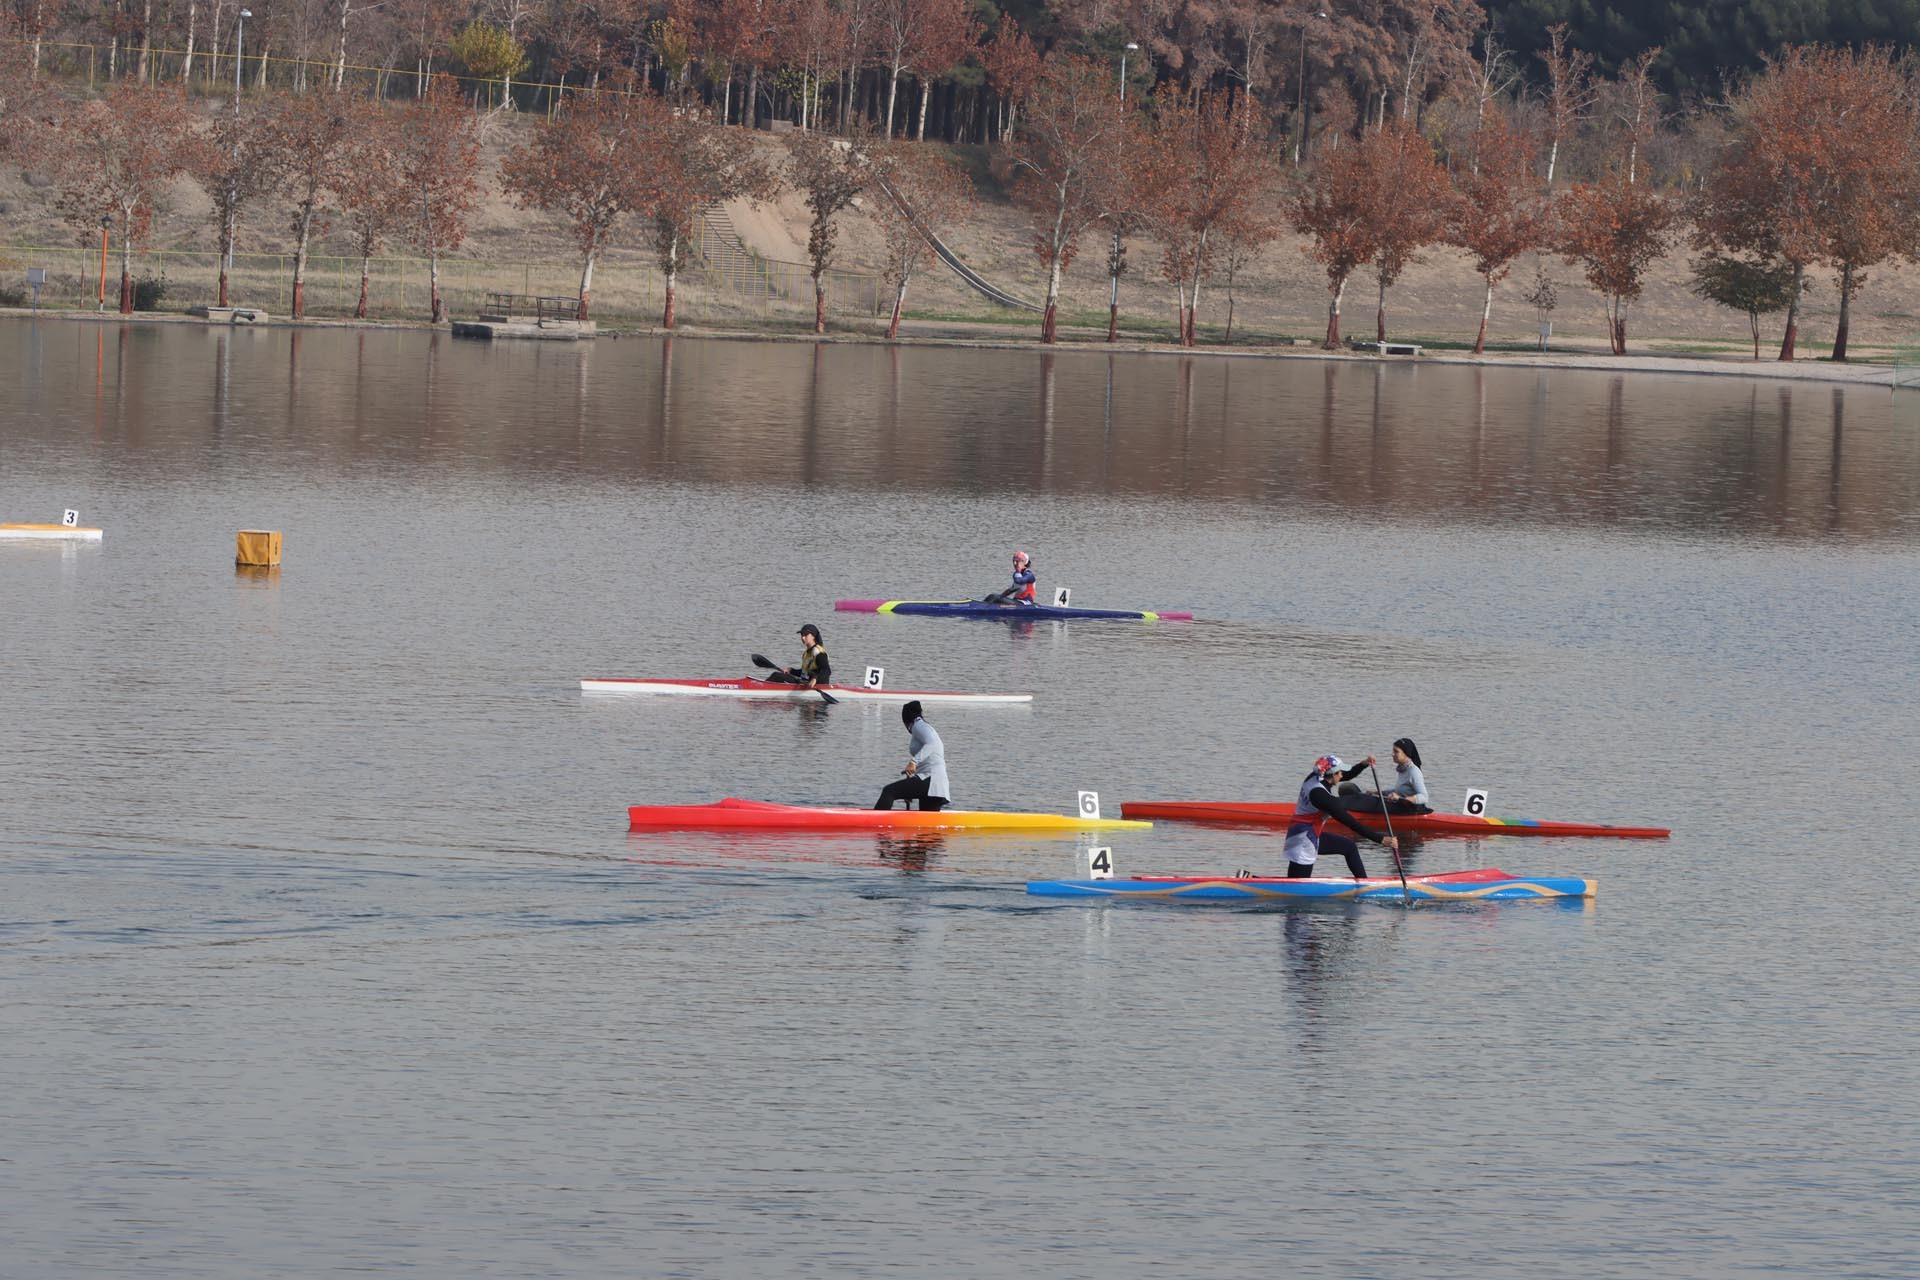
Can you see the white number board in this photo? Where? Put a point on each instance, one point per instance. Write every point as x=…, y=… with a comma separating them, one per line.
x=1090, y=805
x=1476, y=805
x=1060, y=597
x=1100, y=863
x=70, y=518
x=876, y=676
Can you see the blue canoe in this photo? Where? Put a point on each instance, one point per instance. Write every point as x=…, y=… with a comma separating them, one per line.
x=1451, y=886
x=1009, y=612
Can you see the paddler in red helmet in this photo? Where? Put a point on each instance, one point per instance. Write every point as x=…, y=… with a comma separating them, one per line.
x=1316, y=805
x=1022, y=589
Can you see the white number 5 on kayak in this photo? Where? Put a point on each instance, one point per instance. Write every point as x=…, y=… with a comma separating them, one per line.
x=876, y=676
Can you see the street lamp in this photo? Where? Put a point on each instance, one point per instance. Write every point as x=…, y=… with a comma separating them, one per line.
x=1300, y=105
x=233, y=171
x=1116, y=249
x=1131, y=48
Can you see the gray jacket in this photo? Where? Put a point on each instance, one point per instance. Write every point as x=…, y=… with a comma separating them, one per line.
x=929, y=758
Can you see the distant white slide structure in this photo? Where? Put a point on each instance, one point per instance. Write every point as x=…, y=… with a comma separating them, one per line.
x=974, y=279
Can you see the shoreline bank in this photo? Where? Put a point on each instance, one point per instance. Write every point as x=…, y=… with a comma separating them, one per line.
x=956, y=335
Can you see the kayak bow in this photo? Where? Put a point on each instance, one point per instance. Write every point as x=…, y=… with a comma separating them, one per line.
x=47, y=533
x=1451, y=886
x=1228, y=813
x=761, y=815
x=747, y=687
x=1004, y=612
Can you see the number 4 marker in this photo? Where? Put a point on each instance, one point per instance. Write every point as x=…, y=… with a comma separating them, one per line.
x=1100, y=863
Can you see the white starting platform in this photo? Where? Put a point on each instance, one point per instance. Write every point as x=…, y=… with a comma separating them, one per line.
x=48, y=533
x=1396, y=348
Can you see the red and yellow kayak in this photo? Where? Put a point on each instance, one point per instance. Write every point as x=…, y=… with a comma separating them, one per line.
x=1229, y=813
x=762, y=815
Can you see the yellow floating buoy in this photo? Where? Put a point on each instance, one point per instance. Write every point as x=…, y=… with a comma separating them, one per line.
x=258, y=547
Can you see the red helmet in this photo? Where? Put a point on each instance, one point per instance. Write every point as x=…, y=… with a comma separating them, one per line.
x=1021, y=557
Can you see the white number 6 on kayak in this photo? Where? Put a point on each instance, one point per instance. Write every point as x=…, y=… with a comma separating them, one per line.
x=1090, y=805
x=876, y=676
x=1476, y=805
x=1100, y=863
x=1060, y=597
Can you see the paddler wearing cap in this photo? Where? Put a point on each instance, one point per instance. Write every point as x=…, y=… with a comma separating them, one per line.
x=814, y=669
x=1317, y=805
x=1022, y=590
x=925, y=776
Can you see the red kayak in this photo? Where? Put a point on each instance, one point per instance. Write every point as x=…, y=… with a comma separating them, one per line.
x=1228, y=813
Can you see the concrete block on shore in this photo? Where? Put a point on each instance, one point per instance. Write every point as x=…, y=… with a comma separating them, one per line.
x=229, y=315
x=518, y=327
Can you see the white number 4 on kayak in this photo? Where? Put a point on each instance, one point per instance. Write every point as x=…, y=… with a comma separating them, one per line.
x=1100, y=863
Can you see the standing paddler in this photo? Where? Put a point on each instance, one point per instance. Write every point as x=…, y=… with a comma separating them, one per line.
x=925, y=777
x=1316, y=805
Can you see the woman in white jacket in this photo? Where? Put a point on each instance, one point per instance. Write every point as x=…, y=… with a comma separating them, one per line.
x=925, y=777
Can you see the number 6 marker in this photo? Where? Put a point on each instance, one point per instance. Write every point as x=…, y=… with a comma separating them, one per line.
x=1090, y=805
x=1476, y=805
x=1100, y=863
x=876, y=676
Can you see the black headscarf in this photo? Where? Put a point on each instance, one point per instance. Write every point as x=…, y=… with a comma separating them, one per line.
x=910, y=713
x=1413, y=752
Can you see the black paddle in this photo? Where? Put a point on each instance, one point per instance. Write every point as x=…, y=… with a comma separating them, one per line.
x=761, y=660
x=1386, y=811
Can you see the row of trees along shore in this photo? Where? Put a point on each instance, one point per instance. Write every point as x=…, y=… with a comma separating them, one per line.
x=1811, y=163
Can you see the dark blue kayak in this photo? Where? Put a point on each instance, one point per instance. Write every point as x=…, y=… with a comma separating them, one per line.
x=1014, y=612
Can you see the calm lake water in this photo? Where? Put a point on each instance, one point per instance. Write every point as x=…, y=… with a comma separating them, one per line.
x=324, y=946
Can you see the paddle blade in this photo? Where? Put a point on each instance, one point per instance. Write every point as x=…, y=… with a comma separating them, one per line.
x=762, y=660
x=827, y=698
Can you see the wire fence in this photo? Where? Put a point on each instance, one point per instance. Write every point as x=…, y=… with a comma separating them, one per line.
x=212, y=73
x=400, y=288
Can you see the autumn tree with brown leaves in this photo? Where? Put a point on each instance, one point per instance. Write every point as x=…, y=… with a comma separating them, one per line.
x=830, y=174
x=583, y=164
x=915, y=191
x=118, y=156
x=1824, y=169
x=1408, y=205
x=310, y=134
x=437, y=159
x=1204, y=164
x=1614, y=229
x=692, y=163
x=1499, y=212
x=236, y=163
x=1331, y=210
x=1073, y=125
x=1013, y=69
x=369, y=188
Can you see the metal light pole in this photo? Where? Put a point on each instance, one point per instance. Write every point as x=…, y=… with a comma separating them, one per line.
x=1114, y=250
x=233, y=173
x=106, y=221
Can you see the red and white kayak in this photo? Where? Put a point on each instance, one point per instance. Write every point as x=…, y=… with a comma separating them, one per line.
x=747, y=687
x=1228, y=813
